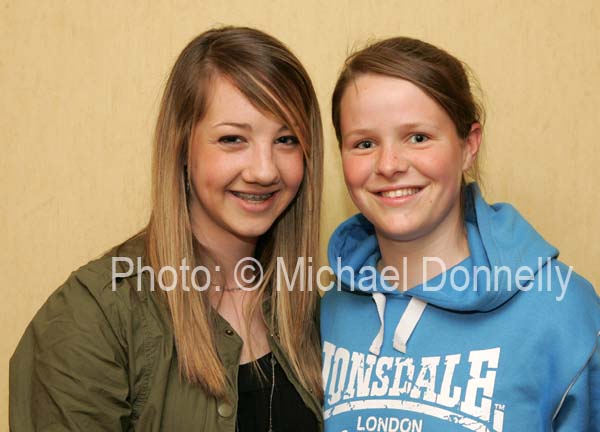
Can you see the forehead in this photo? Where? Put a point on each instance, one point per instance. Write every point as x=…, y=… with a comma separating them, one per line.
x=226, y=101
x=225, y=98
x=377, y=97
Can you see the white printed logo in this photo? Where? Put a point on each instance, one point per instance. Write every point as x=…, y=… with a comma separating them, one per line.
x=356, y=381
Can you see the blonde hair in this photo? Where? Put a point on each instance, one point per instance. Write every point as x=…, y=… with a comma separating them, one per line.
x=274, y=81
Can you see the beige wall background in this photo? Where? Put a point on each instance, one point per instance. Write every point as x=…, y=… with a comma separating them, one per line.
x=81, y=81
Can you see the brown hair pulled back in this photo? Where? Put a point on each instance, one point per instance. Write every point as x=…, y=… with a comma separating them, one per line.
x=439, y=74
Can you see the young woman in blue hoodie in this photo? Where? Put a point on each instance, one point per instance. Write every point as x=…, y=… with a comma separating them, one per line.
x=447, y=314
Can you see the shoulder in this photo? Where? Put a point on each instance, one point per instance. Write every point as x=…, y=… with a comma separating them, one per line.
x=567, y=295
x=558, y=299
x=87, y=351
x=561, y=309
x=116, y=275
x=103, y=296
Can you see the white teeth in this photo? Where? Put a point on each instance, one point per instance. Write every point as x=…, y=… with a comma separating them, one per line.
x=253, y=197
x=400, y=192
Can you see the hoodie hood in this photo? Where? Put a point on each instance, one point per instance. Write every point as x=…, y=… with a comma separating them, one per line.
x=498, y=237
x=500, y=240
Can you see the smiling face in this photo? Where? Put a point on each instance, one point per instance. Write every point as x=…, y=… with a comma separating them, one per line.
x=403, y=160
x=245, y=167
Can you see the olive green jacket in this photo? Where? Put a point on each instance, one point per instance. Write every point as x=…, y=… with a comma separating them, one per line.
x=94, y=359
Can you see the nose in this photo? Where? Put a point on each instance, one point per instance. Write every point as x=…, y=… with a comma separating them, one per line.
x=392, y=160
x=261, y=167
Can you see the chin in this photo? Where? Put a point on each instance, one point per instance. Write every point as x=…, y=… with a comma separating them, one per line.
x=399, y=232
x=251, y=232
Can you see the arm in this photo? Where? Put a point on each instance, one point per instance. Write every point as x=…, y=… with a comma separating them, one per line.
x=580, y=410
x=69, y=369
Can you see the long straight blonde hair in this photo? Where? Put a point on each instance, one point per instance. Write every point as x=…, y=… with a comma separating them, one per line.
x=275, y=82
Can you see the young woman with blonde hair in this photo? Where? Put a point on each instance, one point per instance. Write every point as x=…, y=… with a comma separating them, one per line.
x=168, y=331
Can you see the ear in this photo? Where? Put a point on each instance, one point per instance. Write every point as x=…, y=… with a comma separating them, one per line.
x=471, y=148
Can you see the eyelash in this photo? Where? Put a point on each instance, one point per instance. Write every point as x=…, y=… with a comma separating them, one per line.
x=237, y=139
x=426, y=138
x=423, y=136
x=359, y=144
x=288, y=140
x=231, y=139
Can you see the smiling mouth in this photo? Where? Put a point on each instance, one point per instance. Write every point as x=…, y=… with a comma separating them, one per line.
x=255, y=198
x=398, y=193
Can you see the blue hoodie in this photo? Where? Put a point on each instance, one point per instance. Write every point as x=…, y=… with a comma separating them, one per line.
x=512, y=350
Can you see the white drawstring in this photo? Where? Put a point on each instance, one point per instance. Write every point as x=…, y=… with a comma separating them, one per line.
x=378, y=341
x=406, y=325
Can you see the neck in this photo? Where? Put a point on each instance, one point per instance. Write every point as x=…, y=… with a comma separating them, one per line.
x=445, y=246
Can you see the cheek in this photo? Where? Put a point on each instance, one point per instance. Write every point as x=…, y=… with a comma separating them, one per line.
x=356, y=171
x=445, y=167
x=291, y=168
x=212, y=169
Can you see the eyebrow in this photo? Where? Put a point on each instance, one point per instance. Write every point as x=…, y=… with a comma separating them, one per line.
x=247, y=126
x=357, y=132
x=409, y=125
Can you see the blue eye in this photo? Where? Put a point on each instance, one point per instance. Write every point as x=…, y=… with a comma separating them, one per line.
x=231, y=139
x=288, y=140
x=366, y=144
x=418, y=139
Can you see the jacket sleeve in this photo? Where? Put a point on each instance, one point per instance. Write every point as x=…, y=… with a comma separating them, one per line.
x=69, y=371
x=580, y=410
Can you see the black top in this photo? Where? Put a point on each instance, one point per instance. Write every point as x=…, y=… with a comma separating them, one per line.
x=289, y=413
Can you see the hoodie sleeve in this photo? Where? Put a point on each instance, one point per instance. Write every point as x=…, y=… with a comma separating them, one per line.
x=580, y=410
x=69, y=369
